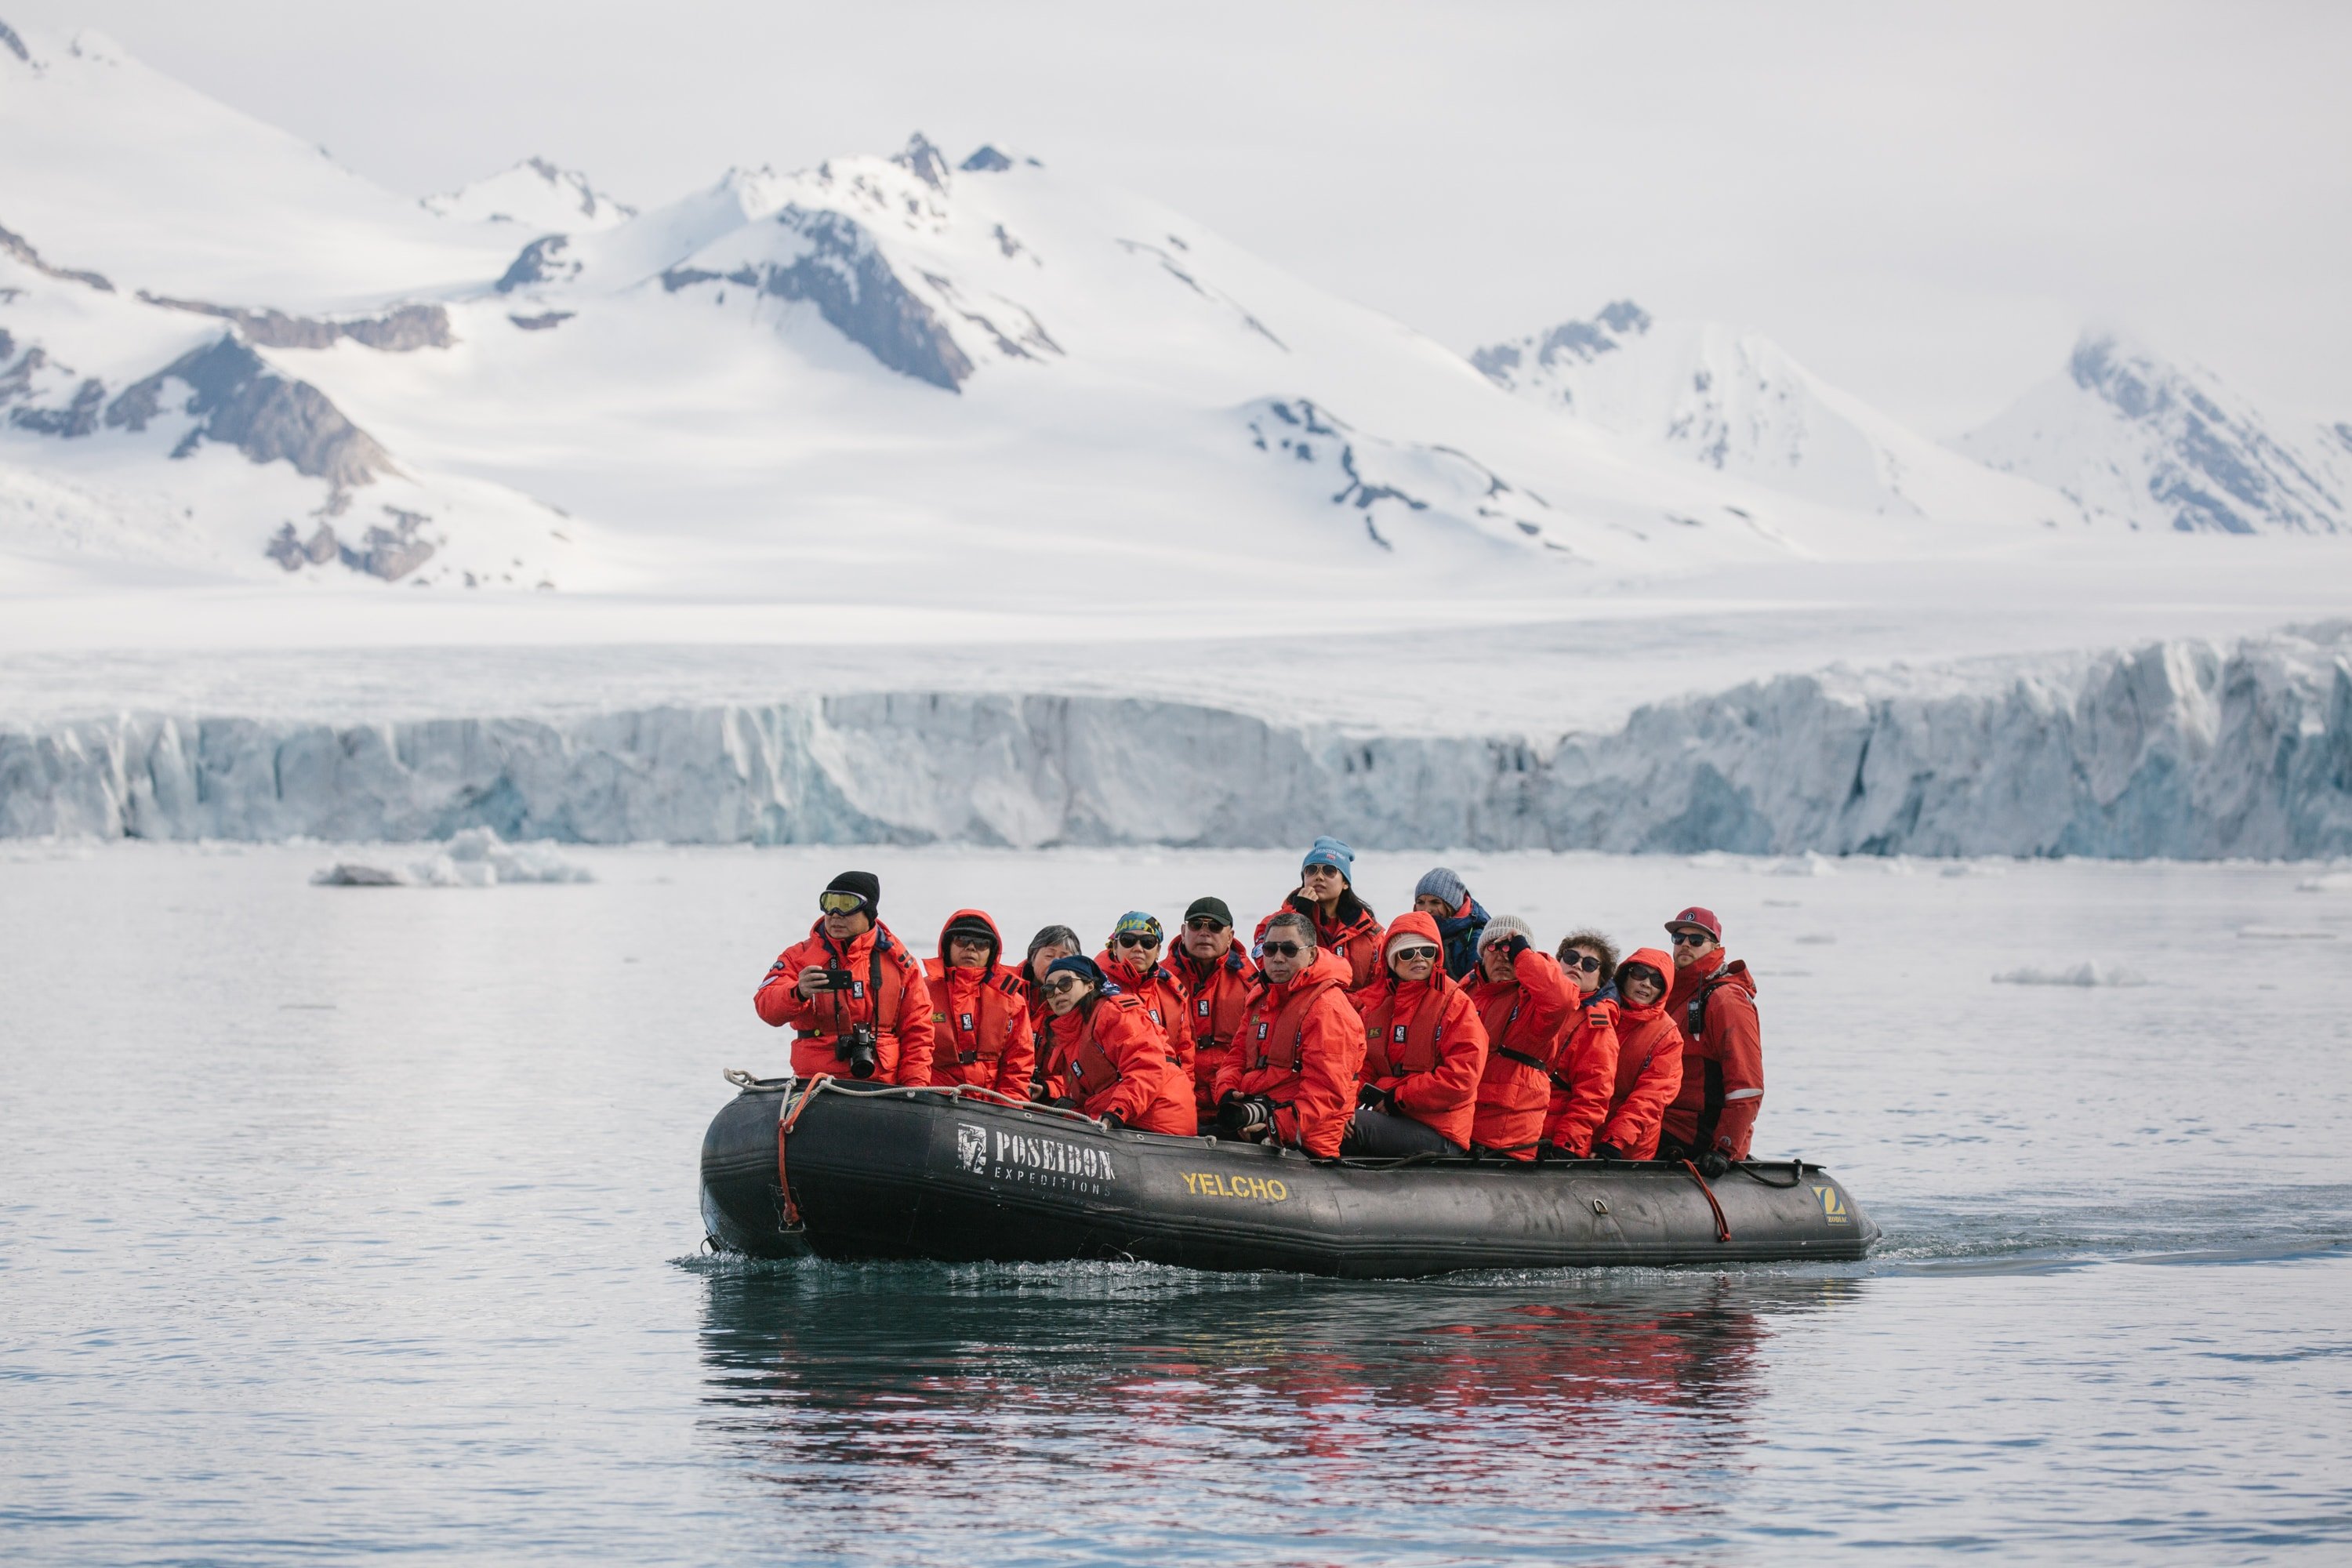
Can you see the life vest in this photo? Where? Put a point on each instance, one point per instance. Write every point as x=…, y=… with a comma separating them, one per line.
x=1399, y=1050
x=964, y=1036
x=872, y=998
x=1090, y=1068
x=1694, y=1010
x=1216, y=1011
x=1280, y=1042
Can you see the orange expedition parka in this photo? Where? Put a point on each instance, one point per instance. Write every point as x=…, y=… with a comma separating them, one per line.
x=1162, y=996
x=1354, y=934
x=901, y=1013
x=981, y=1033
x=1714, y=1005
x=1215, y=998
x=1527, y=1020
x=1111, y=1059
x=1423, y=1043
x=1649, y=1068
x=1588, y=1060
x=1301, y=1046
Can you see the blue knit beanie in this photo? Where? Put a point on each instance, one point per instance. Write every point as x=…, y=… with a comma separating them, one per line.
x=1442, y=883
x=1086, y=969
x=1329, y=852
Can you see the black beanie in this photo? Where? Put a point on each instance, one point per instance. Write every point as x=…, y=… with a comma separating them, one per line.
x=1215, y=907
x=865, y=884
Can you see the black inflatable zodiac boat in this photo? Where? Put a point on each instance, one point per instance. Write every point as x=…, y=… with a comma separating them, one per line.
x=849, y=1171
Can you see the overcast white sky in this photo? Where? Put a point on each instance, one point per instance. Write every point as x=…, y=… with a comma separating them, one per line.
x=1922, y=203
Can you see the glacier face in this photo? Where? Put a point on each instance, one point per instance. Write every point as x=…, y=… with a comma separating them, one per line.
x=2181, y=749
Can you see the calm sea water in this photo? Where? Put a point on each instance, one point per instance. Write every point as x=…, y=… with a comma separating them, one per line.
x=341, y=1222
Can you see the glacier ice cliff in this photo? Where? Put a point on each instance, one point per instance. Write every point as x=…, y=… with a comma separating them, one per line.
x=2187, y=749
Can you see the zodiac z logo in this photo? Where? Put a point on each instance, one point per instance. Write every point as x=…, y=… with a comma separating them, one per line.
x=972, y=1146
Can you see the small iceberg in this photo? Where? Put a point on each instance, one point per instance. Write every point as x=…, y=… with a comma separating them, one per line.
x=2081, y=974
x=475, y=857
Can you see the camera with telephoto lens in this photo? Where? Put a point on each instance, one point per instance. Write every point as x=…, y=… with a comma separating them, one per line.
x=1247, y=1118
x=859, y=1049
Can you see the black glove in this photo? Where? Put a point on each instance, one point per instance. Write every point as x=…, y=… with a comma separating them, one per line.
x=1547, y=1153
x=1066, y=1102
x=1712, y=1164
x=1515, y=946
x=1374, y=1096
x=1607, y=1151
x=1111, y=1119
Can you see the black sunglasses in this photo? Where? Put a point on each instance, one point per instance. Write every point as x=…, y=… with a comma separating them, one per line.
x=1287, y=949
x=1066, y=982
x=1584, y=961
x=1205, y=923
x=1135, y=939
x=1692, y=939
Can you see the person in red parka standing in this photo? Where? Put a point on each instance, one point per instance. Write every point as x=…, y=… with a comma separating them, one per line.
x=1345, y=926
x=1424, y=1046
x=981, y=1034
x=1293, y=1077
x=1587, y=1078
x=1649, y=1061
x=1525, y=1001
x=1217, y=977
x=1107, y=1058
x=1714, y=1005
x=851, y=971
x=1131, y=961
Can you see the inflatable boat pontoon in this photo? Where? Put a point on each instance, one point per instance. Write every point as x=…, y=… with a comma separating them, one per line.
x=961, y=1175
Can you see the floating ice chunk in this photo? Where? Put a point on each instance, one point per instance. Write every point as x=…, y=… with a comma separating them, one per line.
x=2330, y=882
x=2081, y=974
x=475, y=857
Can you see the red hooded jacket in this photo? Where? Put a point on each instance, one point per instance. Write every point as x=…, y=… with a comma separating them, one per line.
x=980, y=1020
x=1723, y=1058
x=1215, y=998
x=1354, y=935
x=1649, y=1068
x=1423, y=1043
x=1302, y=1046
x=1111, y=1058
x=1588, y=1060
x=1162, y=995
x=1527, y=1020
x=901, y=1016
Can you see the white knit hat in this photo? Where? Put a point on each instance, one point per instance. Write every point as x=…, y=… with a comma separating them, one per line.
x=1502, y=928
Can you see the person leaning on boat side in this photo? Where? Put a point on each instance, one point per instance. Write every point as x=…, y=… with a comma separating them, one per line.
x=1649, y=1060
x=1293, y=1073
x=1587, y=1052
x=1131, y=961
x=981, y=1033
x=1714, y=1005
x=1444, y=896
x=849, y=972
x=1105, y=1057
x=1345, y=926
x=1525, y=1000
x=1424, y=1046
x=1217, y=977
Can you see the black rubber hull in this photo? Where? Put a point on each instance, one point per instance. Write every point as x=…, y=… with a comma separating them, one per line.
x=895, y=1174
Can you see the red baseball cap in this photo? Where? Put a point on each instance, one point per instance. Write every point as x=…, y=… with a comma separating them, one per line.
x=1702, y=918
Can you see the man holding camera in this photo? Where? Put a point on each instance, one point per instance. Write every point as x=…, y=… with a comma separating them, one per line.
x=856, y=998
x=1292, y=1075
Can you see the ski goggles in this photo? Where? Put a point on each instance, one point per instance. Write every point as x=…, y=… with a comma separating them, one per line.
x=839, y=903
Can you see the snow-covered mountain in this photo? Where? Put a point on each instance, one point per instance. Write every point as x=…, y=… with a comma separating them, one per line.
x=534, y=195
x=2129, y=436
x=1737, y=403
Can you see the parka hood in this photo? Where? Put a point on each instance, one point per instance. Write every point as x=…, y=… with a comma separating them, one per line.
x=1654, y=960
x=965, y=917
x=1413, y=922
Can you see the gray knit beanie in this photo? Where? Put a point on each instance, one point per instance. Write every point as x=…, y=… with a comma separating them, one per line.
x=1442, y=883
x=1502, y=928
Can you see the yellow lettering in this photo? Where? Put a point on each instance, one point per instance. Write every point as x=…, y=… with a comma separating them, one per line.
x=1191, y=1181
x=1257, y=1186
x=1278, y=1190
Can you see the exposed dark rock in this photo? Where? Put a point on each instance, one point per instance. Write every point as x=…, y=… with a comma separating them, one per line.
x=1496, y=362
x=1583, y=341
x=2341, y=431
x=924, y=161
x=398, y=330
x=17, y=246
x=294, y=554
x=7, y=345
x=78, y=418
x=540, y=261
x=846, y=276
x=390, y=553
x=542, y=322
x=1169, y=265
x=12, y=44
x=242, y=403
x=985, y=161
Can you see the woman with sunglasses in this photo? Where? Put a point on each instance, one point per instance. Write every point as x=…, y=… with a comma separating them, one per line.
x=1587, y=1056
x=1423, y=1050
x=1649, y=1061
x=1106, y=1058
x=1050, y=944
x=851, y=971
x=1345, y=926
x=1525, y=1002
x=1131, y=961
